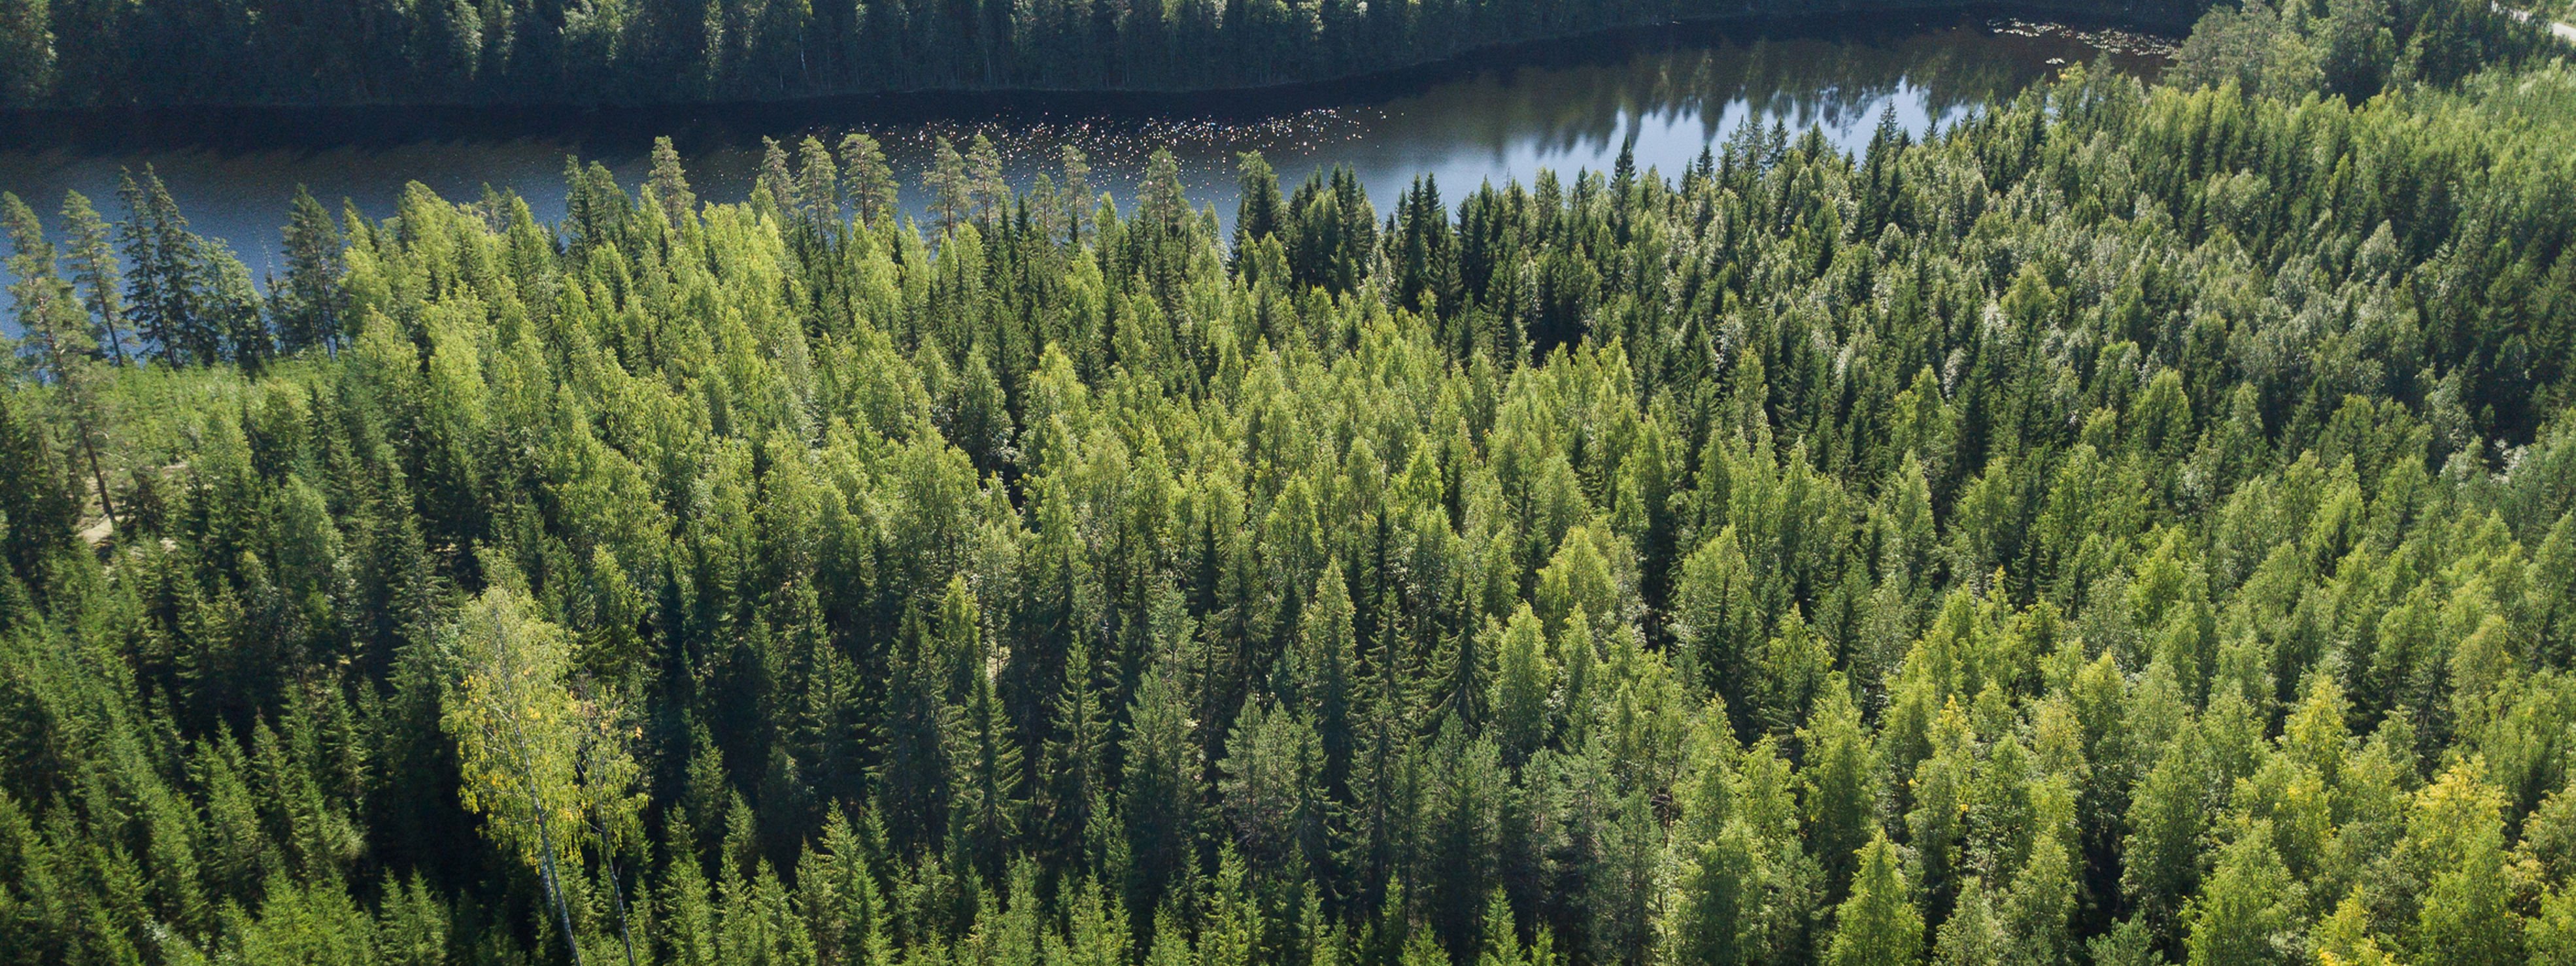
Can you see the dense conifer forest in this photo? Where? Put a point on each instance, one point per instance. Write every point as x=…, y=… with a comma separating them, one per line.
x=2134, y=525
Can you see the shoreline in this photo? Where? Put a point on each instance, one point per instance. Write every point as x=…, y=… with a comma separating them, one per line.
x=1900, y=21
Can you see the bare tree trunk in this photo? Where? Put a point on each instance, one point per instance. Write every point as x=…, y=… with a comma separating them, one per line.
x=546, y=849
x=616, y=892
x=607, y=849
x=78, y=402
x=81, y=426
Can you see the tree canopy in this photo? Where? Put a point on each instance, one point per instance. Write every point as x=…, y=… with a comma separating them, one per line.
x=2134, y=524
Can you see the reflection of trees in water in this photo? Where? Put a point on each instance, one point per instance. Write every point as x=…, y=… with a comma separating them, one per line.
x=233, y=173
x=1569, y=100
x=1802, y=81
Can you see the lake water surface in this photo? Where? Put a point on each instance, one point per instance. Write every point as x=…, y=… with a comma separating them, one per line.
x=1565, y=106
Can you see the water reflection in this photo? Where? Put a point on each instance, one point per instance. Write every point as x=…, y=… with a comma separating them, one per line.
x=1565, y=106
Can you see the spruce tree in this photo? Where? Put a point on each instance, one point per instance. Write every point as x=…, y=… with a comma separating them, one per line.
x=670, y=183
x=165, y=277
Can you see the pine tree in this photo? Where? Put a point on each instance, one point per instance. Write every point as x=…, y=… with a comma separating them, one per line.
x=1382, y=777
x=873, y=189
x=56, y=335
x=308, y=302
x=94, y=270
x=1501, y=943
x=838, y=894
x=44, y=304
x=1424, y=252
x=991, y=196
x=818, y=184
x=1077, y=194
x=687, y=912
x=774, y=182
x=412, y=923
x=1716, y=624
x=1096, y=930
x=1463, y=674
x=952, y=192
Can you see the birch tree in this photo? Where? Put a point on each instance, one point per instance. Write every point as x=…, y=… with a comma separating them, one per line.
x=542, y=757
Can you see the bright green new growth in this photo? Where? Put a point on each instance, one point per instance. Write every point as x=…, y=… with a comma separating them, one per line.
x=2134, y=525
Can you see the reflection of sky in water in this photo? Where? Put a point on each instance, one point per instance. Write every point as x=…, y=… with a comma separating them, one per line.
x=1666, y=139
x=1564, y=107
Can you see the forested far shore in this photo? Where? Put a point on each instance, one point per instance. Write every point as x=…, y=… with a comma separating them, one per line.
x=2133, y=525
x=90, y=54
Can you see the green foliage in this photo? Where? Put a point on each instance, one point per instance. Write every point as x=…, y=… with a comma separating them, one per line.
x=2354, y=48
x=1878, y=925
x=2130, y=526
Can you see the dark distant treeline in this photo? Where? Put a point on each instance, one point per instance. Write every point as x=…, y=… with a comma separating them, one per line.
x=2136, y=525
x=109, y=53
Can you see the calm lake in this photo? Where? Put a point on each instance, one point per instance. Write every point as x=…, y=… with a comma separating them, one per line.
x=1505, y=114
